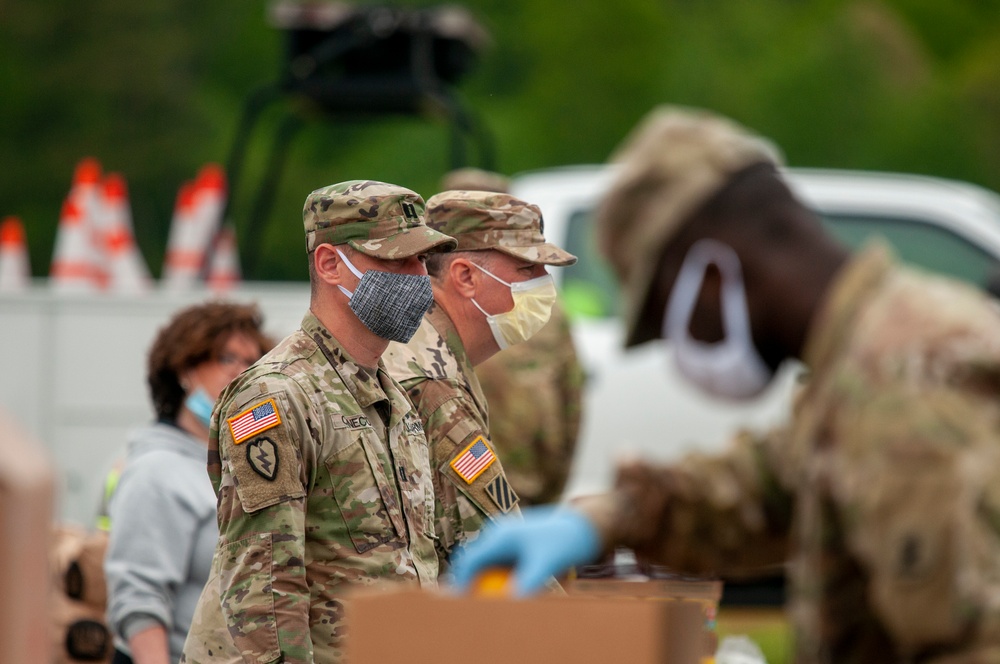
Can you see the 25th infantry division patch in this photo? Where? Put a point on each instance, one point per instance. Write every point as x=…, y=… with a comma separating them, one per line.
x=262, y=455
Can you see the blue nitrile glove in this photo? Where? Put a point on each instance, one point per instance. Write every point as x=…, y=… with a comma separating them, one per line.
x=545, y=543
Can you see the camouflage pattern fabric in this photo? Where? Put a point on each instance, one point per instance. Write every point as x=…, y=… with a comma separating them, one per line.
x=480, y=220
x=323, y=477
x=474, y=179
x=535, y=394
x=378, y=219
x=440, y=381
x=667, y=167
x=883, y=491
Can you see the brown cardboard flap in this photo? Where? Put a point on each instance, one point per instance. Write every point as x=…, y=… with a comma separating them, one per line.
x=77, y=560
x=701, y=590
x=26, y=505
x=704, y=593
x=424, y=627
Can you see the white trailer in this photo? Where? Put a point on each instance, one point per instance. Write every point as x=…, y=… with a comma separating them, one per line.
x=73, y=371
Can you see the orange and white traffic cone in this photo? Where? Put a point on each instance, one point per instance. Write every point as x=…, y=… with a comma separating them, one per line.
x=224, y=267
x=126, y=269
x=210, y=199
x=196, y=221
x=87, y=194
x=15, y=270
x=195, y=224
x=86, y=188
x=74, y=268
x=182, y=262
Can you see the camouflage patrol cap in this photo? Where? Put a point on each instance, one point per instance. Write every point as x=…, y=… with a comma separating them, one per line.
x=667, y=168
x=474, y=179
x=481, y=220
x=378, y=219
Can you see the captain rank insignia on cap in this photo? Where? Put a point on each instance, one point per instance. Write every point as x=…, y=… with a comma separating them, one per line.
x=259, y=417
x=473, y=460
x=502, y=493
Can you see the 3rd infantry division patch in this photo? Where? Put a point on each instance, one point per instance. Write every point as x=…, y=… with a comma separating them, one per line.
x=502, y=493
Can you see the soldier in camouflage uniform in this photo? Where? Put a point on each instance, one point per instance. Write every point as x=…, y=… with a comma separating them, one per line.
x=883, y=491
x=318, y=459
x=535, y=392
x=535, y=389
x=492, y=292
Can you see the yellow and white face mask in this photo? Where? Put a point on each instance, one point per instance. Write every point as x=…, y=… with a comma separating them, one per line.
x=533, y=301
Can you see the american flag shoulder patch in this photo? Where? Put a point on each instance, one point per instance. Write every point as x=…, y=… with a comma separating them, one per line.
x=473, y=460
x=502, y=493
x=253, y=420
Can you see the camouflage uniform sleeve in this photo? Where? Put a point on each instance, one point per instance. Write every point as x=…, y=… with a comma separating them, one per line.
x=534, y=391
x=726, y=514
x=468, y=490
x=915, y=477
x=571, y=378
x=264, y=595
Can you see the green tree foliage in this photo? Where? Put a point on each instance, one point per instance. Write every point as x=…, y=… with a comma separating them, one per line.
x=155, y=90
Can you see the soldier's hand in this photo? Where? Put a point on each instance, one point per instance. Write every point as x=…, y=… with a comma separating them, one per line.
x=545, y=543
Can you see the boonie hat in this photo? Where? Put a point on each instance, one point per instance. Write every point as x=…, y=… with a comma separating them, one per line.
x=666, y=169
x=481, y=220
x=378, y=219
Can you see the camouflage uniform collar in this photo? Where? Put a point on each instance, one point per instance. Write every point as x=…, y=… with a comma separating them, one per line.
x=467, y=378
x=363, y=383
x=443, y=325
x=848, y=292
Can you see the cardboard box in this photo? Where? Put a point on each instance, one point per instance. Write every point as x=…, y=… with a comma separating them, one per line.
x=26, y=500
x=421, y=627
x=702, y=593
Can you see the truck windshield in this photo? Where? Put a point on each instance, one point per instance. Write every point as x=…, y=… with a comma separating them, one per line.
x=589, y=288
x=920, y=243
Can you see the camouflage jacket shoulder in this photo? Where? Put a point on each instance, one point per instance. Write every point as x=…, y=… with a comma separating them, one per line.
x=324, y=480
x=436, y=353
x=535, y=392
x=470, y=484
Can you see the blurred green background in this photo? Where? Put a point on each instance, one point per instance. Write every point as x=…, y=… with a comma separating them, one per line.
x=154, y=90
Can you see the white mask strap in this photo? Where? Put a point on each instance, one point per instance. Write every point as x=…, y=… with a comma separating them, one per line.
x=687, y=288
x=350, y=266
x=492, y=275
x=495, y=277
x=353, y=269
x=480, y=308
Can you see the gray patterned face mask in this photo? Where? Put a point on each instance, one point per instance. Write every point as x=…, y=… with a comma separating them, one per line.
x=390, y=305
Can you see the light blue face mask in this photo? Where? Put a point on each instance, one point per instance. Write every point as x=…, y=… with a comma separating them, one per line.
x=200, y=406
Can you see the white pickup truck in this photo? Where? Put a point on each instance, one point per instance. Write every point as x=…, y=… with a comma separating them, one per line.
x=72, y=367
x=636, y=402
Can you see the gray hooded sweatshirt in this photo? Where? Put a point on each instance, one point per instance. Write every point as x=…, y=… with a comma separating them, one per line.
x=163, y=534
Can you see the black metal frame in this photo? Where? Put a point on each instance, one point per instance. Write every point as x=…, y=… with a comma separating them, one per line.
x=325, y=70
